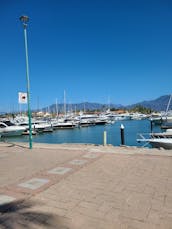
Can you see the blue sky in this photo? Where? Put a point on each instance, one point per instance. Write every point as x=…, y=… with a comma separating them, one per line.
x=95, y=50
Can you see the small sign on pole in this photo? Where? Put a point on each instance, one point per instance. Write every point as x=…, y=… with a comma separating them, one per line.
x=22, y=97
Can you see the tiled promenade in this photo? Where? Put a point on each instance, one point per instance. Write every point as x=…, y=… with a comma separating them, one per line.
x=85, y=187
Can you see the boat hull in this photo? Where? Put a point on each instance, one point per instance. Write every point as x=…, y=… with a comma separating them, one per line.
x=161, y=143
x=11, y=133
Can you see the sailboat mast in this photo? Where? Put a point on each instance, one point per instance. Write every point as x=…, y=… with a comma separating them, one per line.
x=168, y=104
x=64, y=103
x=57, y=108
x=109, y=103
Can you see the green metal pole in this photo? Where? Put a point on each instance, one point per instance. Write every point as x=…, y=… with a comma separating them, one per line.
x=28, y=87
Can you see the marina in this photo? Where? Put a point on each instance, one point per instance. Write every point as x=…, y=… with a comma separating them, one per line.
x=88, y=132
x=86, y=115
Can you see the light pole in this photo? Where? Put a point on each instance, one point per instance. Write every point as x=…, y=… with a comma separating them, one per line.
x=24, y=20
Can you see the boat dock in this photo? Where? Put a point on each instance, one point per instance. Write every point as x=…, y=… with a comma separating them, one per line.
x=74, y=186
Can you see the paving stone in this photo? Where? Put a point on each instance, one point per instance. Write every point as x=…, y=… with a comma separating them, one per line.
x=116, y=191
x=4, y=199
x=78, y=162
x=93, y=213
x=154, y=216
x=59, y=170
x=91, y=156
x=34, y=183
x=3, y=155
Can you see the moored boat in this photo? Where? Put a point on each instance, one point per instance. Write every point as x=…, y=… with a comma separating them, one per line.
x=8, y=129
x=62, y=124
x=157, y=140
x=165, y=143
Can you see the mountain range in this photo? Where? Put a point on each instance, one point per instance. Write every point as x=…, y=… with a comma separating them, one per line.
x=159, y=104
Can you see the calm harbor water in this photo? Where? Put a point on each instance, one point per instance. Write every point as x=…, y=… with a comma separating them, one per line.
x=94, y=134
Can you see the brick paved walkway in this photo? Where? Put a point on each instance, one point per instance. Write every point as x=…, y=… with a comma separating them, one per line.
x=85, y=187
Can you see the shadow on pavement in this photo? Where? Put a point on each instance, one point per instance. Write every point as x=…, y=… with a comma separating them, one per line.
x=21, y=214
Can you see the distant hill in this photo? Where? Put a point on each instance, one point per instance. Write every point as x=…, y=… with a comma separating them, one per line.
x=159, y=104
x=2, y=112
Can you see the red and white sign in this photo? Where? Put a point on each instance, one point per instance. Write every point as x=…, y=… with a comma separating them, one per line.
x=22, y=97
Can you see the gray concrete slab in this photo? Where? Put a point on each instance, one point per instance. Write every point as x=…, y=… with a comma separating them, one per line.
x=59, y=170
x=90, y=155
x=34, y=183
x=4, y=199
x=78, y=162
